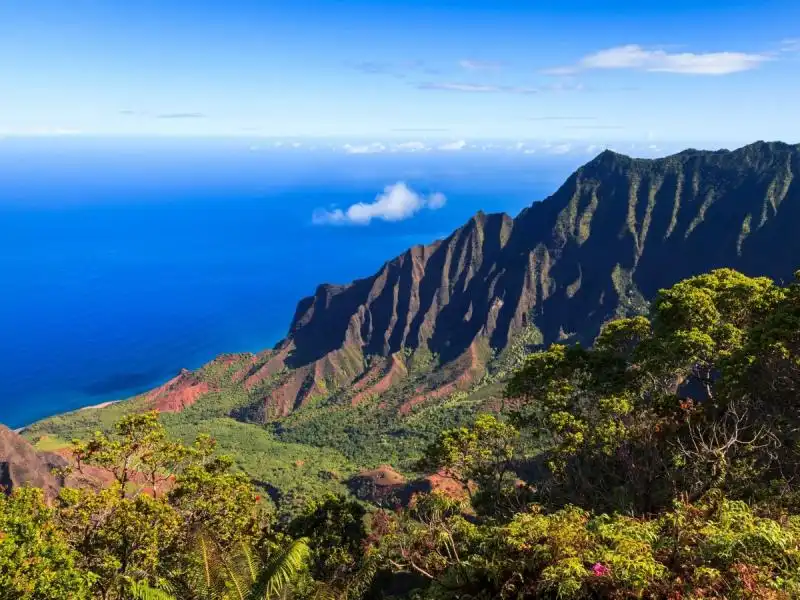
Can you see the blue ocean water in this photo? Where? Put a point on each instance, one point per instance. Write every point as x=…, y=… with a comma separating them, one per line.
x=123, y=261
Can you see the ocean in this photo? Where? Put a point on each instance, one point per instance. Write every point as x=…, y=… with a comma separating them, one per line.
x=123, y=261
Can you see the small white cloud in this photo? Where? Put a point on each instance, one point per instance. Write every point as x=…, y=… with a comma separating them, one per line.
x=373, y=148
x=459, y=145
x=411, y=147
x=478, y=65
x=477, y=88
x=633, y=56
x=278, y=144
x=560, y=71
x=396, y=203
x=529, y=151
x=296, y=144
x=436, y=201
x=592, y=149
x=790, y=45
x=559, y=148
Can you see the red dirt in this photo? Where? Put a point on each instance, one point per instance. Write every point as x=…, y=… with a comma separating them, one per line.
x=384, y=476
x=460, y=382
x=395, y=372
x=439, y=482
x=178, y=393
x=268, y=369
x=281, y=401
x=372, y=373
x=94, y=477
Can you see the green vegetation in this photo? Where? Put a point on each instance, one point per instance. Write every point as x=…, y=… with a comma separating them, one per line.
x=660, y=463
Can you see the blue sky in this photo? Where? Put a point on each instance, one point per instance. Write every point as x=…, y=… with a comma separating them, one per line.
x=565, y=73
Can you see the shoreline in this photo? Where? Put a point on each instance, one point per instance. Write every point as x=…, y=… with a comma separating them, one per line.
x=91, y=406
x=101, y=405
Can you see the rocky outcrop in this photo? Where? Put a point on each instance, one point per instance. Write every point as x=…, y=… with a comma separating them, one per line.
x=22, y=465
x=617, y=231
x=384, y=486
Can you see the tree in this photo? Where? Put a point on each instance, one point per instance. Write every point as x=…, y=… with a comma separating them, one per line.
x=239, y=574
x=336, y=528
x=139, y=453
x=138, y=531
x=480, y=456
x=36, y=562
x=644, y=415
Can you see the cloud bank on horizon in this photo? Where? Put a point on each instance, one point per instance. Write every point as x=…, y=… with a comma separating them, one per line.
x=397, y=202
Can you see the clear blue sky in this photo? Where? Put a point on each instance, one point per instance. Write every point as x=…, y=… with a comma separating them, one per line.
x=673, y=71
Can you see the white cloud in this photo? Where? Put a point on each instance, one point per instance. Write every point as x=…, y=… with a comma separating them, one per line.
x=592, y=149
x=477, y=88
x=396, y=203
x=633, y=56
x=477, y=65
x=459, y=145
x=461, y=87
x=559, y=148
x=790, y=45
x=411, y=147
x=436, y=201
x=373, y=148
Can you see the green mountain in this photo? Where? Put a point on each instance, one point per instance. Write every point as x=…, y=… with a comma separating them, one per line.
x=618, y=230
x=370, y=370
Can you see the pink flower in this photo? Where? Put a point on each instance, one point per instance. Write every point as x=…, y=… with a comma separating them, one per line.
x=600, y=570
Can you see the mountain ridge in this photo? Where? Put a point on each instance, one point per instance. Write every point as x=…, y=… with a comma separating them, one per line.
x=441, y=318
x=616, y=231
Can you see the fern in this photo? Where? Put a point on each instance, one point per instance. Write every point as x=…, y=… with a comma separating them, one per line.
x=281, y=570
x=140, y=590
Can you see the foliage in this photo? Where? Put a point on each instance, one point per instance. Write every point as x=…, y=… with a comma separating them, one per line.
x=477, y=456
x=669, y=466
x=36, y=562
x=661, y=463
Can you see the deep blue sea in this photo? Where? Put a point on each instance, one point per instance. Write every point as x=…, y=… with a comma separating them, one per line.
x=123, y=261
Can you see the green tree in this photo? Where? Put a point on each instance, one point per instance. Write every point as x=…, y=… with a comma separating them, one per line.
x=239, y=573
x=36, y=562
x=480, y=456
x=336, y=528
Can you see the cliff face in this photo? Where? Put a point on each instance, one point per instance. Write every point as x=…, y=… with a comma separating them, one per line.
x=618, y=230
x=21, y=464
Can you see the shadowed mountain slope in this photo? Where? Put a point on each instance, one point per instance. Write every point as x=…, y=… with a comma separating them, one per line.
x=615, y=232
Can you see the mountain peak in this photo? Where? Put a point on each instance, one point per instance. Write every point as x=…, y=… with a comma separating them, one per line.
x=600, y=247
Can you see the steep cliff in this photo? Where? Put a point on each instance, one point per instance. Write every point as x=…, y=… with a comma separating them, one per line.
x=614, y=233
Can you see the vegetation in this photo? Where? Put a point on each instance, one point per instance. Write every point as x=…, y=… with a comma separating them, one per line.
x=661, y=463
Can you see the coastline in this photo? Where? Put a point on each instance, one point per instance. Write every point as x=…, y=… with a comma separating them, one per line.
x=100, y=405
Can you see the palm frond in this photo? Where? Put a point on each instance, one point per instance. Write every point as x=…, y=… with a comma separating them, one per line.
x=139, y=590
x=235, y=580
x=281, y=570
x=211, y=585
x=249, y=561
x=358, y=585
